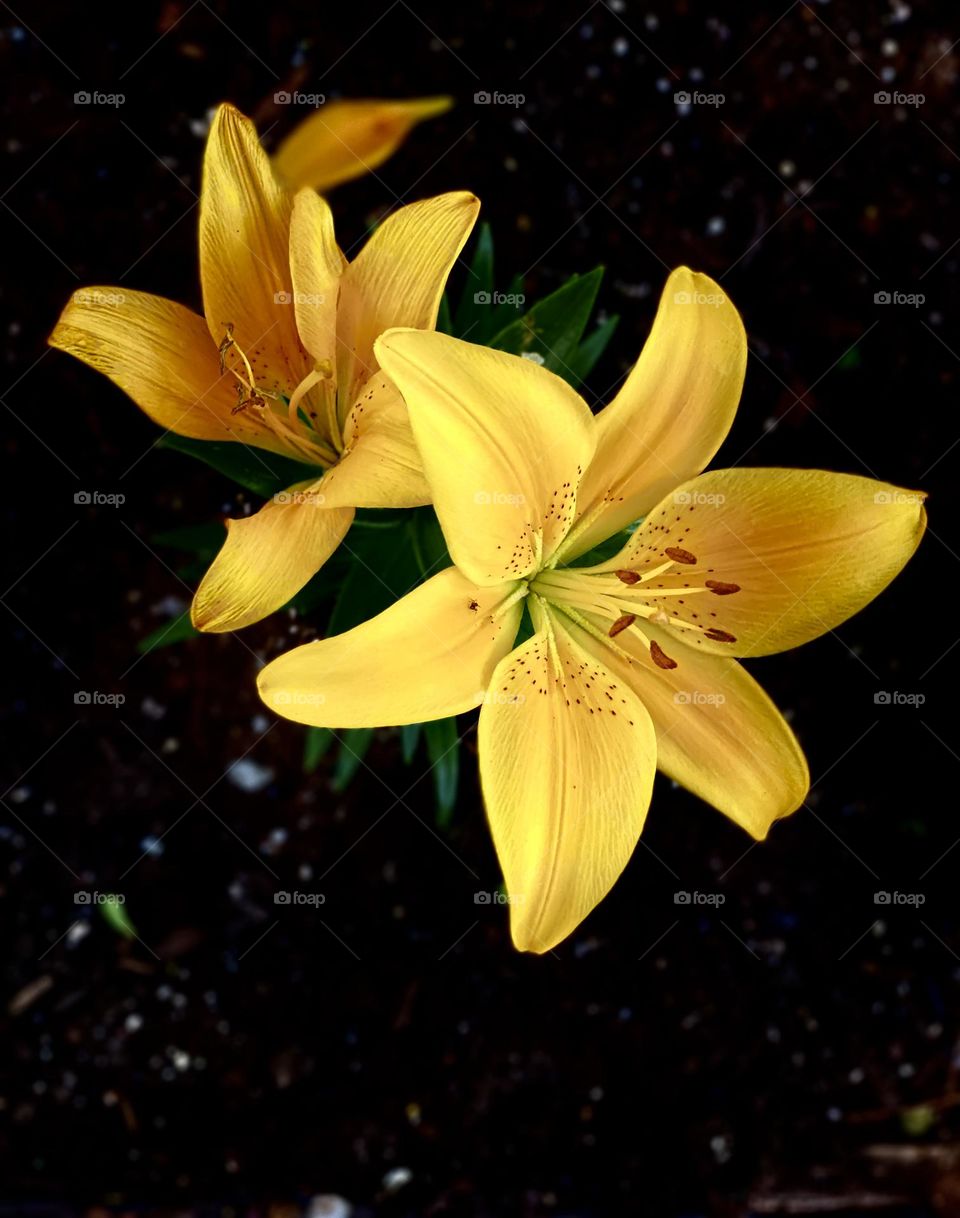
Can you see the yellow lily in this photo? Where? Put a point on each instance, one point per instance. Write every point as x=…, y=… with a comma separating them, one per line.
x=631, y=664
x=343, y=140
x=283, y=360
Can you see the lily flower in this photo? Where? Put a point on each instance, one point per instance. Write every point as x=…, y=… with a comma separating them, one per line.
x=282, y=361
x=345, y=139
x=632, y=663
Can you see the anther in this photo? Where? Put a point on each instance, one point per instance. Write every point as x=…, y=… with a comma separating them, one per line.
x=628, y=577
x=720, y=636
x=679, y=555
x=660, y=657
x=622, y=622
x=719, y=588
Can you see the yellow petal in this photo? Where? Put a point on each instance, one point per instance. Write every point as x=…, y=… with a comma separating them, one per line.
x=244, y=254
x=397, y=279
x=673, y=411
x=346, y=139
x=503, y=443
x=380, y=466
x=160, y=354
x=718, y=734
x=428, y=656
x=807, y=549
x=267, y=558
x=567, y=759
x=316, y=265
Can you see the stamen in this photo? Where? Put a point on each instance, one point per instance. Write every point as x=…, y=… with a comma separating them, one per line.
x=628, y=577
x=679, y=555
x=719, y=588
x=660, y=657
x=621, y=624
x=720, y=636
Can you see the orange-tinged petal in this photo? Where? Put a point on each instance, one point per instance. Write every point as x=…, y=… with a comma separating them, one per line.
x=346, y=139
x=428, y=656
x=397, y=279
x=672, y=413
x=268, y=557
x=503, y=443
x=805, y=549
x=161, y=354
x=718, y=733
x=244, y=254
x=567, y=760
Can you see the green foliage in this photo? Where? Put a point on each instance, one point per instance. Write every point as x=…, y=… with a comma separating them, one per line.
x=254, y=469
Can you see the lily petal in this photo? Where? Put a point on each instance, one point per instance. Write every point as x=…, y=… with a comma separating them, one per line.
x=397, y=279
x=503, y=442
x=672, y=413
x=718, y=733
x=160, y=354
x=567, y=760
x=267, y=558
x=428, y=656
x=381, y=465
x=316, y=265
x=346, y=139
x=244, y=254
x=807, y=549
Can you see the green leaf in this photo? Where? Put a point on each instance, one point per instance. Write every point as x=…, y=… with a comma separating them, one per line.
x=473, y=314
x=262, y=472
x=315, y=745
x=354, y=743
x=444, y=320
x=428, y=543
x=593, y=346
x=443, y=749
x=114, y=911
x=177, y=630
x=554, y=326
x=506, y=312
x=409, y=739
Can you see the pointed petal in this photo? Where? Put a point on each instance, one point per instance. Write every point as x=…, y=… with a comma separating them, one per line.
x=244, y=254
x=346, y=139
x=718, y=733
x=673, y=412
x=503, y=444
x=567, y=759
x=428, y=656
x=267, y=558
x=381, y=465
x=160, y=354
x=806, y=548
x=397, y=279
x=316, y=265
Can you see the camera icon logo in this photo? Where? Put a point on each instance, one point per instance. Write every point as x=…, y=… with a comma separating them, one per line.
x=81, y=99
x=481, y=298
x=482, y=98
x=882, y=698
x=282, y=98
x=82, y=497
x=682, y=98
x=281, y=898
x=482, y=898
x=881, y=99
x=681, y=898
x=82, y=698
x=81, y=898
x=881, y=898
x=881, y=298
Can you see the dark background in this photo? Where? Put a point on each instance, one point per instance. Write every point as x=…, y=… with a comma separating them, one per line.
x=665, y=1060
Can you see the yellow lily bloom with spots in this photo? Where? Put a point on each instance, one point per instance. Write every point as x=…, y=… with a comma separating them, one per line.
x=282, y=361
x=632, y=664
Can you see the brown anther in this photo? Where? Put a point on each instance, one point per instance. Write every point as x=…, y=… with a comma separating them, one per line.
x=225, y=344
x=679, y=555
x=627, y=619
x=719, y=588
x=660, y=657
x=628, y=577
x=720, y=636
